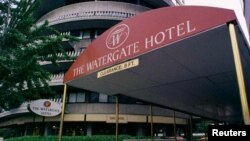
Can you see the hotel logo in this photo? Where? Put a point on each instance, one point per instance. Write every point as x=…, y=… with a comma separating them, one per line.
x=117, y=36
x=47, y=104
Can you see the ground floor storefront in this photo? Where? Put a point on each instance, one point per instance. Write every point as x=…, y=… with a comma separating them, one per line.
x=99, y=128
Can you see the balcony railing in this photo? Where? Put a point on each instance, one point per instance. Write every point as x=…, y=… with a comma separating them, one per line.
x=71, y=54
x=92, y=10
x=56, y=79
x=23, y=108
x=179, y=2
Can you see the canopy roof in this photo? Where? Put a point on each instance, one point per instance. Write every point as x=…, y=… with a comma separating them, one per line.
x=177, y=57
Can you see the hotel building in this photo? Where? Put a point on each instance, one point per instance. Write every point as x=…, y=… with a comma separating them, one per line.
x=92, y=112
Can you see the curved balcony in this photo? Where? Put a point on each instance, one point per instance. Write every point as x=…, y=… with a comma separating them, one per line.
x=56, y=79
x=72, y=54
x=64, y=64
x=22, y=109
x=104, y=10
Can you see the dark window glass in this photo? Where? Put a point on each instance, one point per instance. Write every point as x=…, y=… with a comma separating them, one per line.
x=93, y=97
x=111, y=99
x=76, y=1
x=75, y=33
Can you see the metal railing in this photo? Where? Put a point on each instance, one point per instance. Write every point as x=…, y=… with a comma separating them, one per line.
x=72, y=54
x=179, y=2
x=23, y=108
x=56, y=79
x=92, y=10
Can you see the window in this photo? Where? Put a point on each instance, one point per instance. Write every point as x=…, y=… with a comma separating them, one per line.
x=76, y=97
x=75, y=33
x=103, y=98
x=80, y=97
x=72, y=97
x=93, y=97
x=98, y=32
x=85, y=34
x=126, y=100
x=111, y=99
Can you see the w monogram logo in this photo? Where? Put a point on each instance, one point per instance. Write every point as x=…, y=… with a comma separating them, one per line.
x=117, y=36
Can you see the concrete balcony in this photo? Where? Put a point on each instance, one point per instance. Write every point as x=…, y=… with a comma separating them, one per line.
x=99, y=10
x=56, y=79
x=22, y=109
x=72, y=54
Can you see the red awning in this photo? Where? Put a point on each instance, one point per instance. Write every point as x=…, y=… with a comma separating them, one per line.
x=178, y=57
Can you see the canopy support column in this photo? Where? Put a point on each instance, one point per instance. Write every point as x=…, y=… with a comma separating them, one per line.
x=117, y=118
x=62, y=114
x=151, y=123
x=175, y=127
x=190, y=128
x=239, y=73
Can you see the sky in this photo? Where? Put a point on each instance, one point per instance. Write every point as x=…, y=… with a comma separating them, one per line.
x=248, y=13
x=236, y=5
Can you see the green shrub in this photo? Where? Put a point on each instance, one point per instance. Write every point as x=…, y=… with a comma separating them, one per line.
x=7, y=133
x=72, y=138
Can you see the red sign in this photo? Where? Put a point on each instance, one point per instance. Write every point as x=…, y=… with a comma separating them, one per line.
x=144, y=33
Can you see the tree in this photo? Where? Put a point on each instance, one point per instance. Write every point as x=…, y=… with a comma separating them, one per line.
x=22, y=45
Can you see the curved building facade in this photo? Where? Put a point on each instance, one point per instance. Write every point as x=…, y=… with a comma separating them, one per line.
x=87, y=112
